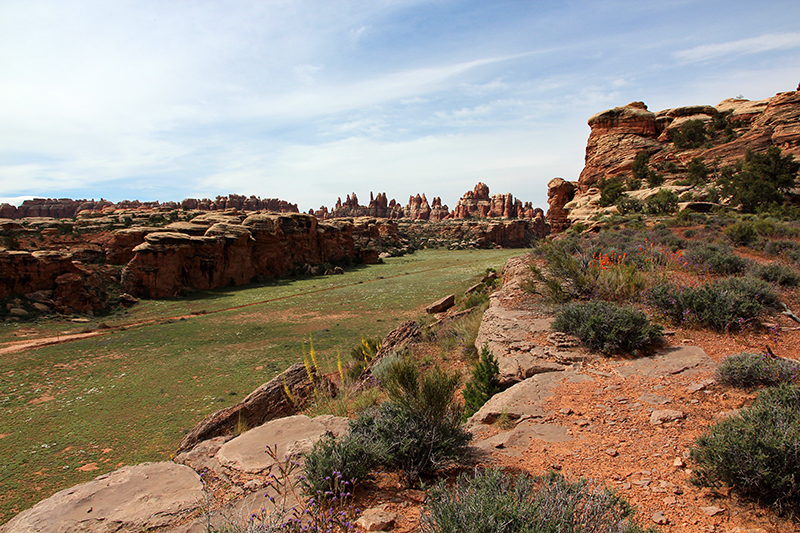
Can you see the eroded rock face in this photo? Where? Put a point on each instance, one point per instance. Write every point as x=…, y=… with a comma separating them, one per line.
x=617, y=136
x=559, y=193
x=232, y=253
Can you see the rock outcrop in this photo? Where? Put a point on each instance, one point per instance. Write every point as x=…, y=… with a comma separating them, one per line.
x=268, y=402
x=618, y=135
x=230, y=253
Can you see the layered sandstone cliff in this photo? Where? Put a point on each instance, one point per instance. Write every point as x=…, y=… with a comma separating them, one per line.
x=618, y=135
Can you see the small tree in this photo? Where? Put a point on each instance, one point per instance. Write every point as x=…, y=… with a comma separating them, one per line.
x=760, y=180
x=697, y=170
x=484, y=384
x=690, y=134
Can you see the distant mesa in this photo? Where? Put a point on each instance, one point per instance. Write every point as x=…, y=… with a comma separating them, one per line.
x=68, y=208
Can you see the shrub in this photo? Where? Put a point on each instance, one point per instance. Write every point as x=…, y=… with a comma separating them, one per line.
x=750, y=370
x=475, y=298
x=610, y=191
x=484, y=384
x=717, y=259
x=760, y=180
x=757, y=452
x=335, y=466
x=741, y=233
x=777, y=273
x=491, y=502
x=418, y=430
x=663, y=202
x=697, y=171
x=690, y=134
x=608, y=327
x=725, y=305
x=627, y=204
x=362, y=355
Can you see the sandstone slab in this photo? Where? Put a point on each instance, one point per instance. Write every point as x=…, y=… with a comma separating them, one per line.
x=131, y=499
x=674, y=360
x=292, y=436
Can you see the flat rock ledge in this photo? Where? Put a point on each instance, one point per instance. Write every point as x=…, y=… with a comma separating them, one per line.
x=131, y=499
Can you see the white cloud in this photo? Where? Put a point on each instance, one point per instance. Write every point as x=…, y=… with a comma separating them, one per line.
x=751, y=45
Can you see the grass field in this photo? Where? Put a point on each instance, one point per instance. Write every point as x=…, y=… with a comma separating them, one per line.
x=75, y=410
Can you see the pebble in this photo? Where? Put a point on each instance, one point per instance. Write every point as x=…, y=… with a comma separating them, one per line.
x=660, y=519
x=612, y=452
x=712, y=510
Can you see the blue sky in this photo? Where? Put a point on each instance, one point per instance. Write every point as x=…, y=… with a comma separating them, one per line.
x=311, y=100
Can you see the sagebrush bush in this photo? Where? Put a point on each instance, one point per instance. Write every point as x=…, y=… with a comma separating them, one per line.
x=757, y=452
x=663, y=202
x=492, y=502
x=750, y=370
x=725, y=305
x=608, y=327
x=335, y=466
x=418, y=429
x=777, y=273
x=717, y=259
x=484, y=383
x=741, y=233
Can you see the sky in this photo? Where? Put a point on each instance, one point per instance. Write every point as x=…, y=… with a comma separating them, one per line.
x=310, y=100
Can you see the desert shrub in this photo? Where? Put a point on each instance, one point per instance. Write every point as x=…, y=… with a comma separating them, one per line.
x=336, y=465
x=690, y=134
x=664, y=201
x=492, y=502
x=608, y=327
x=750, y=370
x=724, y=305
x=741, y=233
x=777, y=273
x=717, y=259
x=418, y=429
x=756, y=452
x=776, y=247
x=627, y=204
x=633, y=184
x=484, y=383
x=697, y=171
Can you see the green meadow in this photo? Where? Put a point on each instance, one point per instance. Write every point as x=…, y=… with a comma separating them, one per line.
x=75, y=410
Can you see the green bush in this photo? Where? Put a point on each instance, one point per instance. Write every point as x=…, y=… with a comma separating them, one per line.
x=608, y=327
x=627, y=204
x=690, y=134
x=757, y=452
x=725, y=305
x=716, y=259
x=777, y=273
x=759, y=181
x=750, y=370
x=697, y=171
x=484, y=384
x=336, y=465
x=742, y=233
x=663, y=202
x=492, y=502
x=610, y=190
x=418, y=429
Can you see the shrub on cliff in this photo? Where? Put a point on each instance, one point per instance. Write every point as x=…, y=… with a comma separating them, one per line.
x=607, y=327
x=484, y=384
x=690, y=134
x=757, y=452
x=661, y=203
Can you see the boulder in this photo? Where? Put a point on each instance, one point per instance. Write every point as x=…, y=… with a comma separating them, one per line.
x=268, y=402
x=442, y=304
